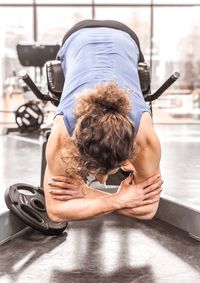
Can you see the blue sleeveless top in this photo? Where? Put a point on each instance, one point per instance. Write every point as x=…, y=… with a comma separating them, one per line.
x=99, y=55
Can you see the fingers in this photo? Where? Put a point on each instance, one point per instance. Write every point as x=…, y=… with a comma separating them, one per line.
x=62, y=192
x=62, y=185
x=151, y=201
x=65, y=197
x=62, y=188
x=153, y=194
x=149, y=181
x=153, y=187
x=63, y=179
x=65, y=194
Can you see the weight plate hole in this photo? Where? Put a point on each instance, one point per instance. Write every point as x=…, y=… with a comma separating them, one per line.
x=26, y=192
x=31, y=213
x=38, y=204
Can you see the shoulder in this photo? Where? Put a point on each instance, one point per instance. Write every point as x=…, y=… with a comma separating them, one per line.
x=58, y=137
x=146, y=159
x=148, y=150
x=146, y=136
x=61, y=153
x=60, y=150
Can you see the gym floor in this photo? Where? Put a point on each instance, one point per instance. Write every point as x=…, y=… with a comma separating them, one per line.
x=110, y=248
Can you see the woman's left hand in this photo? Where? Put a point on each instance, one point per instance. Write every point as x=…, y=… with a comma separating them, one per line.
x=63, y=188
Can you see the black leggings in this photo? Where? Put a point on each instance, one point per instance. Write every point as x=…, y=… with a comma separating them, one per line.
x=108, y=24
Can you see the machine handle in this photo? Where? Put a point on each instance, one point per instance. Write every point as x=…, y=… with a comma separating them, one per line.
x=163, y=87
x=29, y=82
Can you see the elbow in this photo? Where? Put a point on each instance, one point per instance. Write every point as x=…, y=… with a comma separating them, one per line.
x=54, y=215
x=152, y=211
x=150, y=215
x=55, y=218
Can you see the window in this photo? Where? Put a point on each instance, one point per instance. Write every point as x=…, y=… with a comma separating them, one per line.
x=20, y=2
x=114, y=2
x=15, y=27
x=176, y=2
x=53, y=23
x=176, y=45
x=67, y=2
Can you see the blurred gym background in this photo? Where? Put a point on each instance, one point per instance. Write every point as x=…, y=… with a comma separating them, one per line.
x=168, y=30
x=111, y=248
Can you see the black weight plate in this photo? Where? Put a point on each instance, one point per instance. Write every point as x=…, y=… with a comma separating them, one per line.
x=28, y=203
x=29, y=117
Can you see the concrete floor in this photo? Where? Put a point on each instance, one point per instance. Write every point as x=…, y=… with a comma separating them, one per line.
x=180, y=162
x=111, y=248
x=14, y=164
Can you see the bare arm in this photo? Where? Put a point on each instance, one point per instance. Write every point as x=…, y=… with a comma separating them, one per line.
x=87, y=206
x=145, y=192
x=146, y=163
x=73, y=209
x=130, y=195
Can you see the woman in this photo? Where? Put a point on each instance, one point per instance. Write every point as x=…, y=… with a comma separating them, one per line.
x=102, y=123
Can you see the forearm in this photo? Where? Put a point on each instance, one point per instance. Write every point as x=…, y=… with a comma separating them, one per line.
x=84, y=208
x=141, y=212
x=144, y=212
x=95, y=203
x=92, y=203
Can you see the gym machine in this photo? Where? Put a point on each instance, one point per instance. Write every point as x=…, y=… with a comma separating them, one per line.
x=26, y=202
x=30, y=115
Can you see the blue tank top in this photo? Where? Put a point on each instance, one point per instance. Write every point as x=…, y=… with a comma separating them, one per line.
x=99, y=55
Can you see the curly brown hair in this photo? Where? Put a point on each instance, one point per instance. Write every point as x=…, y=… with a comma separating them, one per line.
x=74, y=167
x=104, y=133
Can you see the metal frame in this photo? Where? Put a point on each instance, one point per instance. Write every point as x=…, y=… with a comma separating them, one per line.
x=11, y=226
x=180, y=215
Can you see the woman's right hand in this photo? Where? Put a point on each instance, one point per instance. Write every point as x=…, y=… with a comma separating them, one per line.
x=132, y=195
